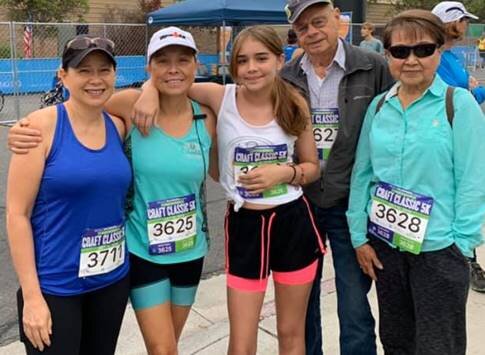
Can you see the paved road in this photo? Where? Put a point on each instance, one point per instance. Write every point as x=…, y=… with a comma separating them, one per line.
x=7, y=277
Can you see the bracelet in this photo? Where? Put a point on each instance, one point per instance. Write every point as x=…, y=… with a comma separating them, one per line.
x=294, y=172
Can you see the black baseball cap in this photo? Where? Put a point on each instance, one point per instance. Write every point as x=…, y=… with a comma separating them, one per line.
x=294, y=8
x=80, y=46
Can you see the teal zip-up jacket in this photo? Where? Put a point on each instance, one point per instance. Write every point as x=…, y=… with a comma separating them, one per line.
x=418, y=150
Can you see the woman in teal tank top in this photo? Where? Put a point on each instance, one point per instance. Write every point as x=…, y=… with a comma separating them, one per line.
x=166, y=225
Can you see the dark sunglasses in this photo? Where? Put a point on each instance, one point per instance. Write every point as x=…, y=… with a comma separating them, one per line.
x=87, y=42
x=420, y=50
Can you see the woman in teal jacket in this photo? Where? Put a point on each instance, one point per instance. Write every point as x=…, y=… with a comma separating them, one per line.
x=417, y=197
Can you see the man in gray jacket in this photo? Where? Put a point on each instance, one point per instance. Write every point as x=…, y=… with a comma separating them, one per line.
x=339, y=81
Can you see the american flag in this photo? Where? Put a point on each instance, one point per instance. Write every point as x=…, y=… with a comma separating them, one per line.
x=28, y=41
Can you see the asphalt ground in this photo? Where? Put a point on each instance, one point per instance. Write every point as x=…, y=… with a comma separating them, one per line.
x=8, y=280
x=214, y=263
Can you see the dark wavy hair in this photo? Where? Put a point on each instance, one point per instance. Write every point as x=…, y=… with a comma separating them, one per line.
x=415, y=23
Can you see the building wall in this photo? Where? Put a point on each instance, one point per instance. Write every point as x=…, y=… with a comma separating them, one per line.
x=98, y=9
x=379, y=12
x=3, y=14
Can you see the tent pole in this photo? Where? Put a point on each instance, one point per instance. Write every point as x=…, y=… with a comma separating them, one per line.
x=224, y=52
x=218, y=49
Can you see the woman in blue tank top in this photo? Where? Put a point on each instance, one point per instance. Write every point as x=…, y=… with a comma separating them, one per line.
x=65, y=214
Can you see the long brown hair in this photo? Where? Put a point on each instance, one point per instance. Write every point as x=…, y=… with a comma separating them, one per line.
x=290, y=109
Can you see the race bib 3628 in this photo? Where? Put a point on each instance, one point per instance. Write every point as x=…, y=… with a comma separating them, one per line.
x=400, y=216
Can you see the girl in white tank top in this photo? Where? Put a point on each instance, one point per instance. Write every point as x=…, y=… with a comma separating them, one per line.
x=243, y=147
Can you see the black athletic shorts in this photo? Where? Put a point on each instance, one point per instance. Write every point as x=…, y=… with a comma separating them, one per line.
x=283, y=239
x=144, y=272
x=155, y=284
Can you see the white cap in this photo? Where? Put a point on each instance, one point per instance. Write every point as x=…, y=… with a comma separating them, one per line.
x=451, y=11
x=170, y=36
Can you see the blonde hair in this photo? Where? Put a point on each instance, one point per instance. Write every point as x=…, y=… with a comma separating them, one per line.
x=290, y=108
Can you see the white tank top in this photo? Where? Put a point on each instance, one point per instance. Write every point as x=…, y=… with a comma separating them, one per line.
x=243, y=146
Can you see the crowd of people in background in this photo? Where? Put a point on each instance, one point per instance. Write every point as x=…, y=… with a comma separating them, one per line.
x=373, y=150
x=481, y=50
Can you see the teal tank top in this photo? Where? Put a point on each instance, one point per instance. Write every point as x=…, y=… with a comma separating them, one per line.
x=165, y=216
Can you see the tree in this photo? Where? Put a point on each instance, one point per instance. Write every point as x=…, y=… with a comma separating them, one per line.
x=45, y=10
x=147, y=6
x=474, y=6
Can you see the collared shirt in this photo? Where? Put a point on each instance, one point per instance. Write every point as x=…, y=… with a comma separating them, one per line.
x=324, y=92
x=418, y=150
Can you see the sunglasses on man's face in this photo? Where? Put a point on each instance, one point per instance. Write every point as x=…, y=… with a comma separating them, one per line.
x=420, y=50
x=86, y=42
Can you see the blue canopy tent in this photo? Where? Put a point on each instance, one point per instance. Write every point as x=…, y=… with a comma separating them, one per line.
x=220, y=13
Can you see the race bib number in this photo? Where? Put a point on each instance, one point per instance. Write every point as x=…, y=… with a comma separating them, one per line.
x=247, y=159
x=400, y=216
x=172, y=225
x=325, y=129
x=102, y=250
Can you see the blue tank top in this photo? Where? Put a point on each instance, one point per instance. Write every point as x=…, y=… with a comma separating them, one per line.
x=164, y=225
x=78, y=215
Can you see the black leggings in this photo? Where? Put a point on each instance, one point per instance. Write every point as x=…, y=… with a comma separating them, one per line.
x=422, y=300
x=83, y=324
